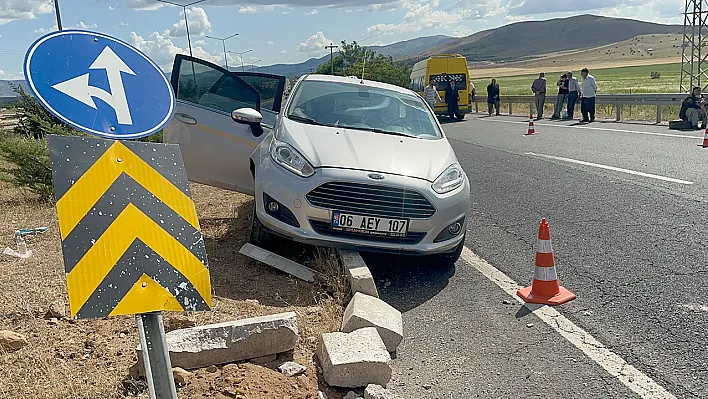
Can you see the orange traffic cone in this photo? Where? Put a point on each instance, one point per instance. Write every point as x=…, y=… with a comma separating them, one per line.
x=705, y=139
x=531, y=131
x=545, y=288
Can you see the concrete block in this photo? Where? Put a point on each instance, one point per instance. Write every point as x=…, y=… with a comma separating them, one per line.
x=367, y=311
x=355, y=359
x=278, y=262
x=378, y=392
x=231, y=341
x=359, y=275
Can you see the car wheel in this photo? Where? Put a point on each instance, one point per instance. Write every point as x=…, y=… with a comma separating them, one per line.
x=449, y=258
x=259, y=233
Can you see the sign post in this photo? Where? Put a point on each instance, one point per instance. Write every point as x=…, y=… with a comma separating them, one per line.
x=130, y=234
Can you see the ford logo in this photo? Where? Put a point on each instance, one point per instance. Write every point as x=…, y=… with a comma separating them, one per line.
x=375, y=176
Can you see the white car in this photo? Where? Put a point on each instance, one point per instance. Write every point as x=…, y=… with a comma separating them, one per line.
x=347, y=163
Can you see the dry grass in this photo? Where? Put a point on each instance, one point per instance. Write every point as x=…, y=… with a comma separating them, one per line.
x=91, y=358
x=666, y=49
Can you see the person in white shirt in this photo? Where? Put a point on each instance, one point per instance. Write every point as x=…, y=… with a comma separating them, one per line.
x=573, y=93
x=430, y=94
x=587, y=102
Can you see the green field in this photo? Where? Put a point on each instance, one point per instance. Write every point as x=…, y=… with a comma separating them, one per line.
x=627, y=80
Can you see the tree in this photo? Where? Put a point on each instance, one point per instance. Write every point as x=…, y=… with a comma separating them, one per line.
x=378, y=67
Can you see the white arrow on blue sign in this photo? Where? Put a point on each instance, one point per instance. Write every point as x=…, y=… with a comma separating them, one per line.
x=99, y=84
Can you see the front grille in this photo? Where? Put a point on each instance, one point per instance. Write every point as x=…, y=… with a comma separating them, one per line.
x=371, y=200
x=325, y=228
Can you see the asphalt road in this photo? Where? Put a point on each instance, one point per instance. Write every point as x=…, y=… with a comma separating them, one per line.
x=626, y=207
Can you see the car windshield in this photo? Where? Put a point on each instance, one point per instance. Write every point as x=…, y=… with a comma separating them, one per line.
x=357, y=106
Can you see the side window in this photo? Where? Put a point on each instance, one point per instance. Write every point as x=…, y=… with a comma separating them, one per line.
x=270, y=88
x=210, y=86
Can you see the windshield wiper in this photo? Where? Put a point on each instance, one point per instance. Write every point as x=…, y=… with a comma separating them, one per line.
x=371, y=129
x=307, y=120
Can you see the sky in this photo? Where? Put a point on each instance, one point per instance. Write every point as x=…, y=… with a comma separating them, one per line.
x=286, y=31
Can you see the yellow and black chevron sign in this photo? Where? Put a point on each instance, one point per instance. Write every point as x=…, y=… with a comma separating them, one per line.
x=129, y=229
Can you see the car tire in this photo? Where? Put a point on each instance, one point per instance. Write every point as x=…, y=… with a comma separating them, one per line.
x=259, y=233
x=449, y=258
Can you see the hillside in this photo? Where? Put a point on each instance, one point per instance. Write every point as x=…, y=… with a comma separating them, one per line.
x=652, y=49
x=395, y=50
x=531, y=38
x=6, y=87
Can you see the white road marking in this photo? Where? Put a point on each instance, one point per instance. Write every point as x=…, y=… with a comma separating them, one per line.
x=683, y=136
x=632, y=378
x=597, y=165
x=695, y=307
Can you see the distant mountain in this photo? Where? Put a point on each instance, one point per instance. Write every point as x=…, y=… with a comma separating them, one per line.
x=6, y=87
x=532, y=38
x=395, y=50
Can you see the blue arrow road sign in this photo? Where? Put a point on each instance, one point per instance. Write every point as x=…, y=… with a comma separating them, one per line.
x=99, y=84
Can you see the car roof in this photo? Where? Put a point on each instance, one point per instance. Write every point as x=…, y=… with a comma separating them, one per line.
x=354, y=79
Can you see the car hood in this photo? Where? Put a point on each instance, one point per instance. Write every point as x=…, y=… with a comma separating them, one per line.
x=345, y=148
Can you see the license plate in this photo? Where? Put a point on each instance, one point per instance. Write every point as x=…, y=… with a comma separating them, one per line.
x=369, y=225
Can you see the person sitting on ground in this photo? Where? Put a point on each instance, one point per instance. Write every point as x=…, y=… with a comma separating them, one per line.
x=693, y=109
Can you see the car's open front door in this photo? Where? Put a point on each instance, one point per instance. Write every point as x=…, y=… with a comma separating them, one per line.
x=215, y=149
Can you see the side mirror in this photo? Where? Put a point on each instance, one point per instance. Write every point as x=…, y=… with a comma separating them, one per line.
x=249, y=116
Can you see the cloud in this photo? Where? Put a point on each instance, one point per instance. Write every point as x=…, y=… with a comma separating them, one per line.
x=80, y=25
x=121, y=24
x=377, y=43
x=271, y=42
x=252, y=9
x=161, y=49
x=111, y=8
x=283, y=52
x=144, y=5
x=198, y=23
x=314, y=45
x=13, y=10
x=313, y=12
x=552, y=6
x=2, y=73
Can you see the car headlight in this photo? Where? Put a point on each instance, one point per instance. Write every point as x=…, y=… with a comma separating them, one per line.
x=449, y=180
x=289, y=158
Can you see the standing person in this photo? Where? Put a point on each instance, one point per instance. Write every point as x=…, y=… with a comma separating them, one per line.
x=493, y=96
x=539, y=90
x=573, y=93
x=452, y=98
x=587, y=104
x=430, y=94
x=562, y=95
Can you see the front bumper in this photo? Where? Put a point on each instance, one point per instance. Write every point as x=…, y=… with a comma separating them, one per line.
x=312, y=226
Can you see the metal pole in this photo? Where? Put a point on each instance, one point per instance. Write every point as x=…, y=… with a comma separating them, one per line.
x=226, y=60
x=331, y=48
x=56, y=10
x=156, y=356
x=186, y=24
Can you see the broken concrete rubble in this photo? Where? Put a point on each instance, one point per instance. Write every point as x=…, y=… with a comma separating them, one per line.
x=367, y=311
x=354, y=359
x=232, y=341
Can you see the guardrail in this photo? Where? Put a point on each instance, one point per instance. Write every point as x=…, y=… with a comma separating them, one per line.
x=618, y=100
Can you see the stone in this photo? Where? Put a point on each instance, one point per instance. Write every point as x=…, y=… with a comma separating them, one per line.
x=12, y=341
x=353, y=395
x=355, y=359
x=359, y=275
x=231, y=341
x=321, y=395
x=378, y=392
x=368, y=311
x=291, y=369
x=212, y=369
x=53, y=321
x=181, y=376
x=263, y=360
x=56, y=310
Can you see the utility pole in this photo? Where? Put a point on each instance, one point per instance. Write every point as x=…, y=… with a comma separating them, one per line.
x=186, y=23
x=223, y=42
x=331, y=48
x=56, y=10
x=253, y=65
x=240, y=56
